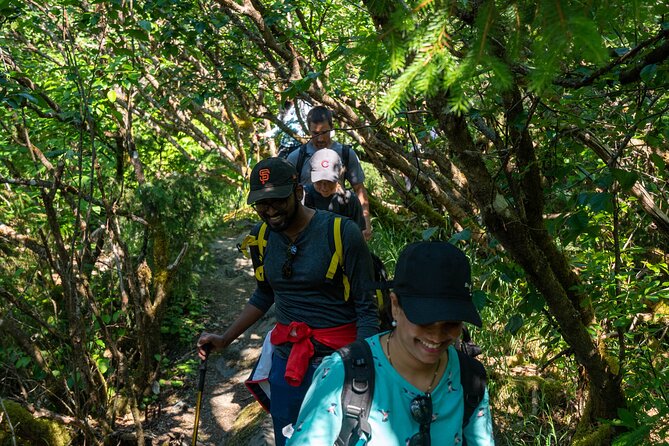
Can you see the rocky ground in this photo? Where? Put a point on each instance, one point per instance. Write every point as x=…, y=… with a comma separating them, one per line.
x=229, y=415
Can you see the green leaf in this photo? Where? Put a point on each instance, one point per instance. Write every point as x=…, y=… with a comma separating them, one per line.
x=532, y=303
x=658, y=161
x=479, y=298
x=465, y=234
x=578, y=221
x=587, y=38
x=625, y=178
x=28, y=97
x=103, y=365
x=628, y=419
x=428, y=233
x=648, y=72
x=22, y=362
x=111, y=96
x=138, y=34
x=145, y=25
x=602, y=201
x=514, y=324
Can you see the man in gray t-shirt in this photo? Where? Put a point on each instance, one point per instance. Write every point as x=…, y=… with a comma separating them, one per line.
x=319, y=121
x=316, y=315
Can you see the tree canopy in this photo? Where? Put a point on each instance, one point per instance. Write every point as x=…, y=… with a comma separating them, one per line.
x=534, y=132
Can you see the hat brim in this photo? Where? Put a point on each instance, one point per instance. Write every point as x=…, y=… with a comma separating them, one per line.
x=327, y=176
x=269, y=192
x=422, y=310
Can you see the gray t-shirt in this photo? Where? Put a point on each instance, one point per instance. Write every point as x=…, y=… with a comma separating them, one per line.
x=352, y=172
x=307, y=296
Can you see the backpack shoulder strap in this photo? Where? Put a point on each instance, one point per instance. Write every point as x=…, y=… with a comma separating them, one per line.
x=337, y=260
x=309, y=197
x=345, y=154
x=473, y=379
x=253, y=246
x=357, y=393
x=467, y=345
x=301, y=159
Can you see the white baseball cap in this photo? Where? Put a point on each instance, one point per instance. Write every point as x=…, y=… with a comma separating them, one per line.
x=325, y=165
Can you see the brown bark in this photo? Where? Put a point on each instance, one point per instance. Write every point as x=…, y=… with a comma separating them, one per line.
x=546, y=273
x=638, y=190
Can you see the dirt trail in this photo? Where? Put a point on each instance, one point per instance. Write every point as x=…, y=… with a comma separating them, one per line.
x=229, y=414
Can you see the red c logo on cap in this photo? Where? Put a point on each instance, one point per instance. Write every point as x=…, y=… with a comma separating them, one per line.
x=263, y=174
x=325, y=164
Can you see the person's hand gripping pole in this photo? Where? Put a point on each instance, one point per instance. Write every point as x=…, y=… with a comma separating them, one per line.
x=203, y=350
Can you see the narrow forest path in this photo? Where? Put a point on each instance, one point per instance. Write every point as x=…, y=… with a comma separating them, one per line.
x=229, y=414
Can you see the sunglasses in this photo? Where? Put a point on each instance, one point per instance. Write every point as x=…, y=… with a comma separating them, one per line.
x=278, y=204
x=421, y=412
x=287, y=268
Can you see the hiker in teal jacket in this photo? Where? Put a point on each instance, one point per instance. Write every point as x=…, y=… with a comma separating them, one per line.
x=418, y=396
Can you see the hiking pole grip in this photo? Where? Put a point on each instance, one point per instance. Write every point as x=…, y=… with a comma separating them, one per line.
x=200, y=389
x=203, y=367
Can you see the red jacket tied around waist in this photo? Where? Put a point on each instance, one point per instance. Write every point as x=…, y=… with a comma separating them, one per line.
x=300, y=335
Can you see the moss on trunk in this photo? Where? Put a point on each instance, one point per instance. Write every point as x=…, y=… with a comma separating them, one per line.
x=29, y=430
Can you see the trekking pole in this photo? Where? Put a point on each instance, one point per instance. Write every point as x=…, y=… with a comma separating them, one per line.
x=200, y=388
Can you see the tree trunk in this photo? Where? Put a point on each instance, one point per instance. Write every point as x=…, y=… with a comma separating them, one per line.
x=544, y=265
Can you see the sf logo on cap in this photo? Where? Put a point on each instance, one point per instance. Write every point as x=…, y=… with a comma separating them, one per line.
x=263, y=174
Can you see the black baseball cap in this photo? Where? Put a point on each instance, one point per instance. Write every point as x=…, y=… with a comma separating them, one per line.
x=272, y=178
x=433, y=283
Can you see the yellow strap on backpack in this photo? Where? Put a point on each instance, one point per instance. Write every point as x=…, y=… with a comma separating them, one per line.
x=261, y=242
x=379, y=298
x=338, y=259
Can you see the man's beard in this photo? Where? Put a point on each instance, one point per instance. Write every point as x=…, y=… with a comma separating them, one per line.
x=289, y=218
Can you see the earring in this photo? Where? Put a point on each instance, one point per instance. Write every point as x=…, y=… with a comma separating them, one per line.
x=394, y=323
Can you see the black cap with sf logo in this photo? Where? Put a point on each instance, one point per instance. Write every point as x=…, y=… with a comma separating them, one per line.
x=272, y=178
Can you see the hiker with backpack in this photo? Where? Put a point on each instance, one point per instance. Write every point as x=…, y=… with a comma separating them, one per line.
x=293, y=115
x=326, y=192
x=319, y=123
x=407, y=386
x=316, y=312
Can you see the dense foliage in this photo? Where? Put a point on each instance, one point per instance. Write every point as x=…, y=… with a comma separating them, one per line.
x=533, y=133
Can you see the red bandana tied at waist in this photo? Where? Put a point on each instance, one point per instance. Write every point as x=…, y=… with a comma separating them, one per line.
x=300, y=335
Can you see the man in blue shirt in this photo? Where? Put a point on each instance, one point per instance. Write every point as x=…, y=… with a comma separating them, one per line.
x=319, y=121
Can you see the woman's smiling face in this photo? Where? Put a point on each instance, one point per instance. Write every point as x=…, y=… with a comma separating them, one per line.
x=325, y=188
x=423, y=343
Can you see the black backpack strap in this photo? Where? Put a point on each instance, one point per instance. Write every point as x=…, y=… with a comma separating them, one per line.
x=301, y=159
x=467, y=345
x=473, y=379
x=345, y=155
x=309, y=198
x=357, y=393
x=381, y=292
